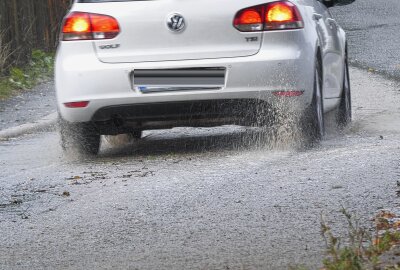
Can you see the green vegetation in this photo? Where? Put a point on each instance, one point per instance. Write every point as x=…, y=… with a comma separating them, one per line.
x=27, y=30
x=39, y=68
x=362, y=250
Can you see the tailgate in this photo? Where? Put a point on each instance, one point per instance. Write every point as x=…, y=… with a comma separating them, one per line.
x=146, y=32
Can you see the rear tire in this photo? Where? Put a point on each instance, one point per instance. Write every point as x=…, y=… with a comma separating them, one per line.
x=313, y=123
x=82, y=137
x=344, y=114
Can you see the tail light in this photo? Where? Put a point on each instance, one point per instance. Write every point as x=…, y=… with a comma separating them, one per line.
x=89, y=26
x=249, y=20
x=279, y=15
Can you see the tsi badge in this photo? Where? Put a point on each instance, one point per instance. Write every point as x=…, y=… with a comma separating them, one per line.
x=176, y=22
x=109, y=46
x=252, y=39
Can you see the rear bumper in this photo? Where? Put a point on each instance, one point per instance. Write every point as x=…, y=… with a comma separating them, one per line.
x=80, y=76
x=130, y=117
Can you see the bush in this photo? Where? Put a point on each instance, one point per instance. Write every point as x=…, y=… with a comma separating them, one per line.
x=40, y=68
x=363, y=250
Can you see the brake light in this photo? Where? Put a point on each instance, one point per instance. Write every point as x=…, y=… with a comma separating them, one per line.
x=249, y=20
x=274, y=16
x=89, y=26
x=282, y=15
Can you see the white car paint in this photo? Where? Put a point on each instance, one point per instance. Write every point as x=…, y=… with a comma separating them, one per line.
x=279, y=60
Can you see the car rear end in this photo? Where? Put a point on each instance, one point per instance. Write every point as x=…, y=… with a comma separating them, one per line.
x=131, y=65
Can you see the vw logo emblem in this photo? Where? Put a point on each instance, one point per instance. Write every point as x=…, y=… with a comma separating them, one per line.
x=176, y=23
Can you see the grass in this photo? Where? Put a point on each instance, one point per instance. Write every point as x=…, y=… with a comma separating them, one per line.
x=39, y=69
x=6, y=89
x=363, y=249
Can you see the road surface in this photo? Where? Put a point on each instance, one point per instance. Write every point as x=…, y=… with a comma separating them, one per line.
x=197, y=198
x=220, y=198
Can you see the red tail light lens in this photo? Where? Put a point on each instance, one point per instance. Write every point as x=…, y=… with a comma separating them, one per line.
x=77, y=26
x=279, y=12
x=104, y=27
x=274, y=16
x=89, y=26
x=249, y=20
x=282, y=15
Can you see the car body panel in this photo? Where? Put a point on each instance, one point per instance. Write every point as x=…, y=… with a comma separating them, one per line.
x=81, y=76
x=145, y=36
x=282, y=60
x=332, y=47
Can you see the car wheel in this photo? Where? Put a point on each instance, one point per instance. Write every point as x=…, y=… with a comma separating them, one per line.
x=313, y=124
x=81, y=137
x=344, y=110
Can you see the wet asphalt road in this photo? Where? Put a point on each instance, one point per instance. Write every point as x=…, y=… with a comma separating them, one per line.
x=372, y=28
x=205, y=198
x=197, y=198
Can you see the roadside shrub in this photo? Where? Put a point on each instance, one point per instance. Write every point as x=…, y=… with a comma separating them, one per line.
x=363, y=250
x=42, y=63
x=39, y=68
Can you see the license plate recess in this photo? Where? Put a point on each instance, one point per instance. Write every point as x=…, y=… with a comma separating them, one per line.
x=158, y=80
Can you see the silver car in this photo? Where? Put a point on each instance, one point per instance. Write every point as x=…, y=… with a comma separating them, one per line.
x=126, y=66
